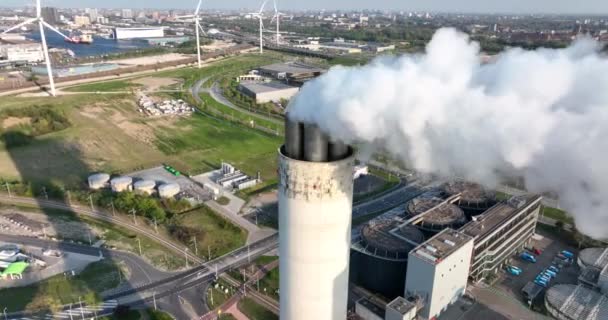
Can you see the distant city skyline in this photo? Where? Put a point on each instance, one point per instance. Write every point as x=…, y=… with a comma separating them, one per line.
x=472, y=6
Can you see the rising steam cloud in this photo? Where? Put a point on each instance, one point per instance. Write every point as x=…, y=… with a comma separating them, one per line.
x=542, y=115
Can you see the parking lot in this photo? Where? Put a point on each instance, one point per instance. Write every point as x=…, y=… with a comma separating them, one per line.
x=505, y=295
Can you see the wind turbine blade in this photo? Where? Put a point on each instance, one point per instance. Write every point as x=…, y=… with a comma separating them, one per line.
x=273, y=17
x=38, y=9
x=198, y=7
x=263, y=5
x=202, y=30
x=54, y=29
x=28, y=21
x=276, y=11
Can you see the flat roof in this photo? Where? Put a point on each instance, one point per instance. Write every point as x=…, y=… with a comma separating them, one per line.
x=401, y=305
x=291, y=68
x=263, y=87
x=369, y=305
x=441, y=245
x=494, y=217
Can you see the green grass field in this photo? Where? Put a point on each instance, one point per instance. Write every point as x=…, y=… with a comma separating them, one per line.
x=218, y=234
x=557, y=214
x=52, y=293
x=270, y=283
x=106, y=86
x=254, y=311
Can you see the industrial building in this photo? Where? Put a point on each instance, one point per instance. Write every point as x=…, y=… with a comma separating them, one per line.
x=501, y=231
x=438, y=271
x=139, y=33
x=575, y=302
x=230, y=177
x=594, y=268
x=315, y=207
x=263, y=92
x=295, y=73
x=21, y=51
x=379, y=253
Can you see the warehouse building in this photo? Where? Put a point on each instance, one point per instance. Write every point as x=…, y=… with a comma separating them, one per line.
x=139, y=33
x=438, y=270
x=501, y=231
x=22, y=51
x=292, y=72
x=264, y=92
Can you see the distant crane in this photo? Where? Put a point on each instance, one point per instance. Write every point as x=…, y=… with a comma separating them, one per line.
x=277, y=17
x=41, y=24
x=260, y=16
x=198, y=29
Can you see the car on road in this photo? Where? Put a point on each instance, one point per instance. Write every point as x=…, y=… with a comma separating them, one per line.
x=528, y=257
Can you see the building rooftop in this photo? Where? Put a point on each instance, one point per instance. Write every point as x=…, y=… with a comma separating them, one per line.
x=485, y=223
x=441, y=245
x=594, y=257
x=371, y=306
x=291, y=68
x=262, y=87
x=577, y=302
x=401, y=305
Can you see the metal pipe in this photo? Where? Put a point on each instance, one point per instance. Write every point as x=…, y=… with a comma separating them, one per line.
x=316, y=144
x=293, y=138
x=337, y=150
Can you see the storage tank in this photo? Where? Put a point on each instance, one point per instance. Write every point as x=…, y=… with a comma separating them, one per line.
x=144, y=186
x=98, y=180
x=121, y=184
x=379, y=256
x=168, y=190
x=593, y=257
x=474, y=198
x=575, y=302
x=315, y=209
x=439, y=215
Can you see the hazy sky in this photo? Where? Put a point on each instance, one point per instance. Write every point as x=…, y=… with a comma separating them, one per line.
x=506, y=6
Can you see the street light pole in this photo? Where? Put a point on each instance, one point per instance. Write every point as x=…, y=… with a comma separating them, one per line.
x=195, y=246
x=139, y=244
x=186, y=255
x=134, y=220
x=91, y=201
x=9, y=190
x=113, y=211
x=81, y=310
x=209, y=251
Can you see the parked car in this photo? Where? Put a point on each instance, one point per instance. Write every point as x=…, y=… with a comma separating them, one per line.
x=548, y=274
x=552, y=273
x=528, y=257
x=537, y=251
x=562, y=257
x=567, y=254
x=543, y=277
x=513, y=270
x=541, y=283
x=554, y=268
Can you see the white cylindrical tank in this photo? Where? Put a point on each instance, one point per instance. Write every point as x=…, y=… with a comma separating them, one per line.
x=144, y=186
x=168, y=190
x=315, y=209
x=98, y=180
x=121, y=184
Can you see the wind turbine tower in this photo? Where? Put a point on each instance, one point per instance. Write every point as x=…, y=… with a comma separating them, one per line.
x=198, y=29
x=277, y=16
x=41, y=24
x=260, y=16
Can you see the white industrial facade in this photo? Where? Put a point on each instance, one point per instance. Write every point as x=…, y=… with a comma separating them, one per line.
x=438, y=270
x=315, y=208
x=30, y=52
x=501, y=231
x=135, y=33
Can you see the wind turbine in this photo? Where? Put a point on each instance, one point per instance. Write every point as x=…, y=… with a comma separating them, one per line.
x=45, y=49
x=277, y=16
x=198, y=28
x=260, y=16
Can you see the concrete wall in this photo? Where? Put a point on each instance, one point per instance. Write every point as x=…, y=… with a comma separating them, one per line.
x=276, y=95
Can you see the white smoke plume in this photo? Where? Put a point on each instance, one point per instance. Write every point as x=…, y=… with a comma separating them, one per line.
x=541, y=115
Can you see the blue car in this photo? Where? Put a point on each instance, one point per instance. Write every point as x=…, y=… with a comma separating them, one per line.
x=528, y=257
x=567, y=254
x=554, y=269
x=553, y=274
x=548, y=275
x=541, y=283
x=513, y=270
x=543, y=277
